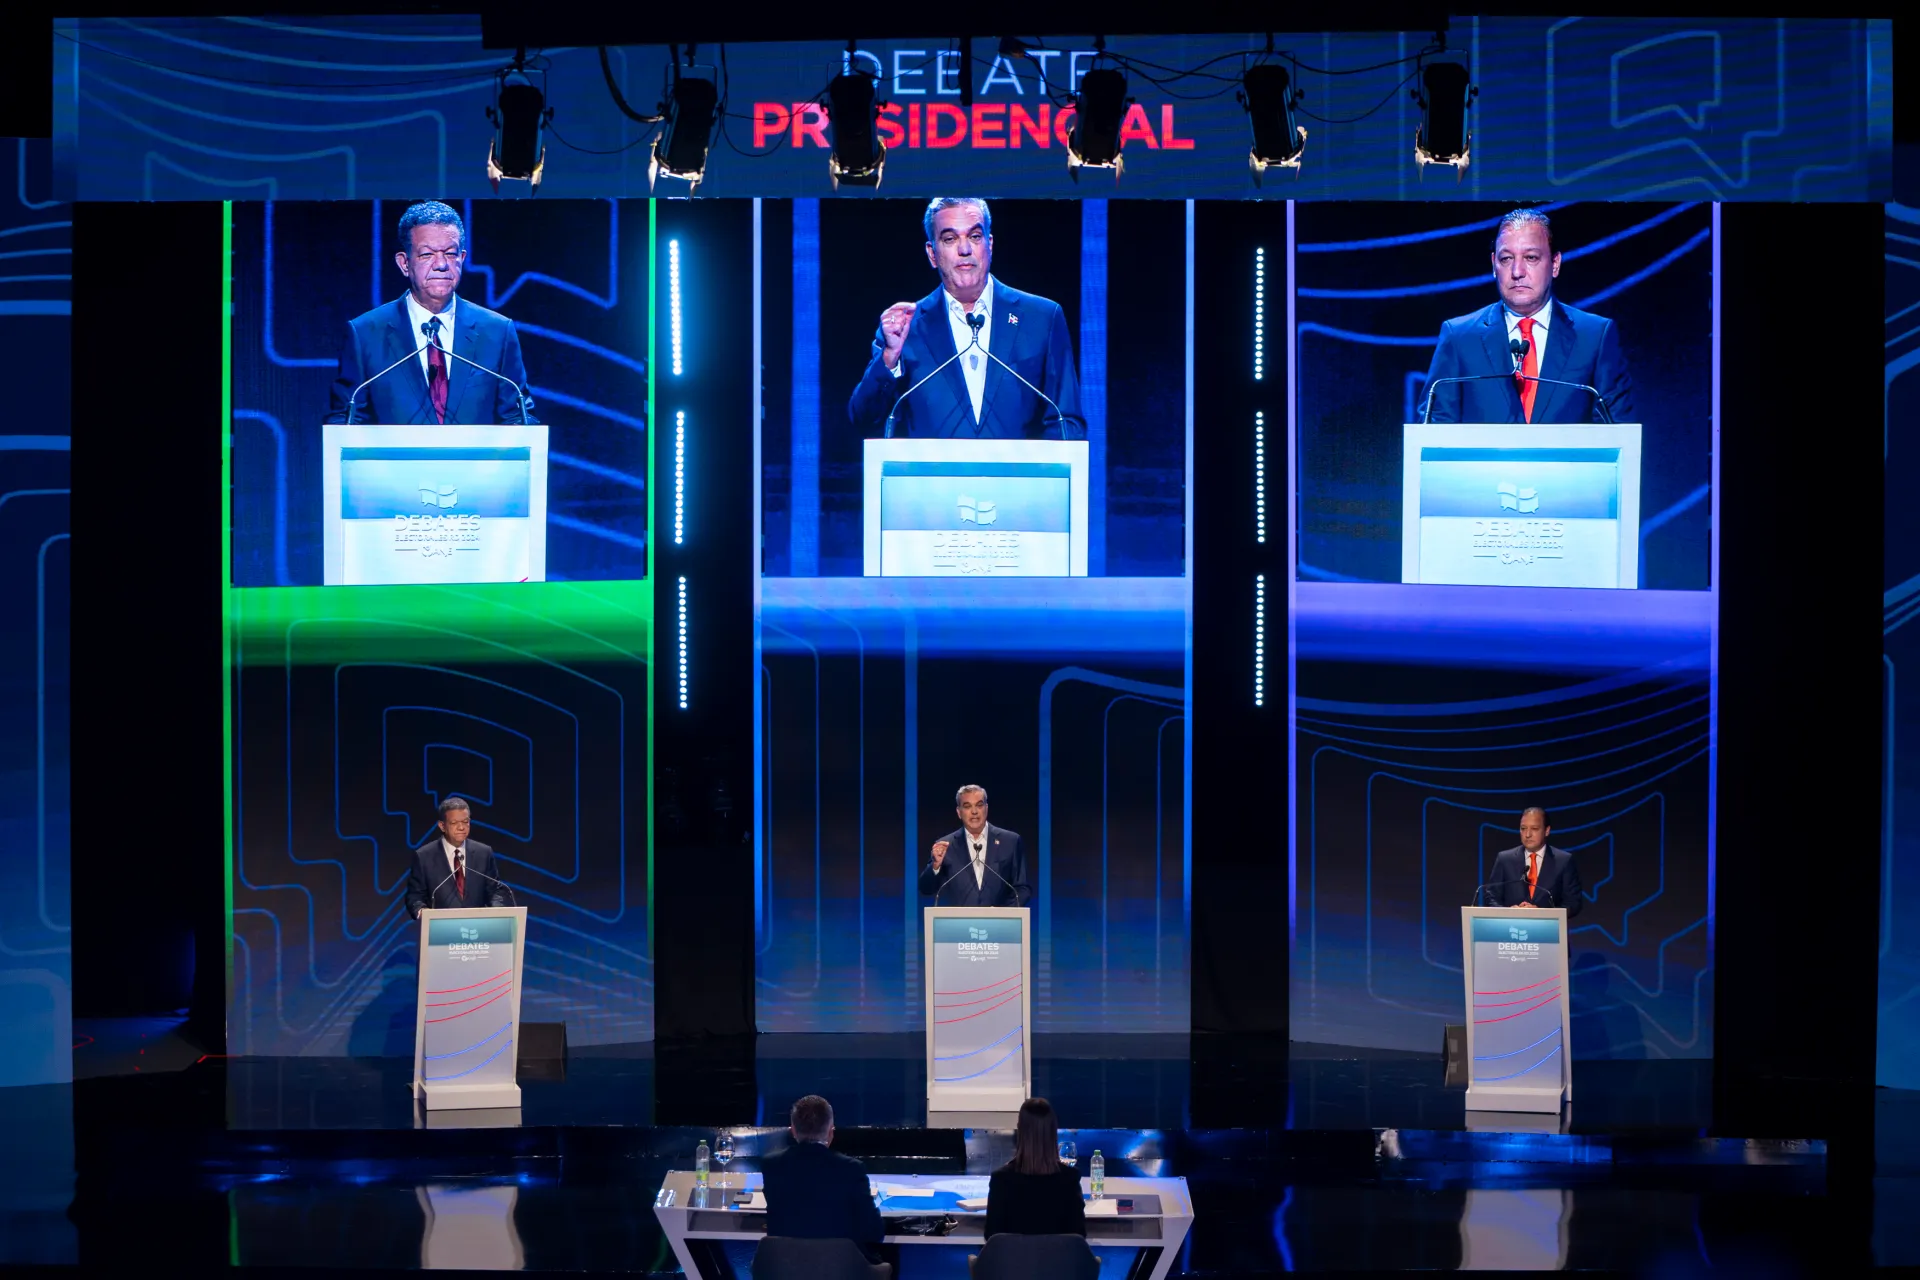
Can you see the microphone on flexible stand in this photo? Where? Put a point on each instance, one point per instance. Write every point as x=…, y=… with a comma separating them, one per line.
x=1600, y=401
x=497, y=880
x=519, y=393
x=432, y=892
x=376, y=377
x=977, y=322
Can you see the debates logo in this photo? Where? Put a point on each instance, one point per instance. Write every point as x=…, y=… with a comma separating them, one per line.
x=1522, y=498
x=1516, y=933
x=441, y=498
x=978, y=935
x=972, y=512
x=469, y=932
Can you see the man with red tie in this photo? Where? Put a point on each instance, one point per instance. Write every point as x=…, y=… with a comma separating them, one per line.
x=1536, y=874
x=458, y=344
x=1529, y=335
x=452, y=869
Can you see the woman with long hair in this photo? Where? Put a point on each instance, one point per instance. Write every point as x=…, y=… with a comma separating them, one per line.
x=1036, y=1193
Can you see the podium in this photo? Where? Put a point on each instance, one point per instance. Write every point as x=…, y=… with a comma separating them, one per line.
x=467, y=1028
x=434, y=504
x=979, y=1010
x=1518, y=1020
x=1515, y=505
x=961, y=508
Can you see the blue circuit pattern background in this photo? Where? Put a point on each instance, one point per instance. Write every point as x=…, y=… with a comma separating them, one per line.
x=1899, y=1064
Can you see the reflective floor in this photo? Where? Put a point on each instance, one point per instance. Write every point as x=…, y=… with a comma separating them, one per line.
x=1320, y=1161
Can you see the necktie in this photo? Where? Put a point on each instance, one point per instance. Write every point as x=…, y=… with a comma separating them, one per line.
x=460, y=874
x=437, y=371
x=1533, y=859
x=1529, y=365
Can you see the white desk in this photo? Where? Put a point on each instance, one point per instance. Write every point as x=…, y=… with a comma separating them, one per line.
x=1163, y=1214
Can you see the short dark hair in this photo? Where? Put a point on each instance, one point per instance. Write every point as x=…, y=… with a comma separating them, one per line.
x=453, y=804
x=429, y=213
x=1545, y=821
x=938, y=203
x=811, y=1118
x=1036, y=1138
x=1519, y=217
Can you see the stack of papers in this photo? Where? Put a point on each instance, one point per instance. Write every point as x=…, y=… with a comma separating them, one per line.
x=890, y=1192
x=1102, y=1208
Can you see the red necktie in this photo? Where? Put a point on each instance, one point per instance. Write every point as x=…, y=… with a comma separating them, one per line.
x=460, y=874
x=437, y=371
x=1533, y=859
x=1529, y=365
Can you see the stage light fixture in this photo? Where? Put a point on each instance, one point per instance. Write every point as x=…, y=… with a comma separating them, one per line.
x=1268, y=93
x=1445, y=94
x=519, y=116
x=1099, y=109
x=858, y=154
x=692, y=106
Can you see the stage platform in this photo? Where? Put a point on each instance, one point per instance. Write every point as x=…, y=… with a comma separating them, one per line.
x=1314, y=1159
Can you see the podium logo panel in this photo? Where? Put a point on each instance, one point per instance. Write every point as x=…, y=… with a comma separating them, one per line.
x=443, y=514
x=935, y=518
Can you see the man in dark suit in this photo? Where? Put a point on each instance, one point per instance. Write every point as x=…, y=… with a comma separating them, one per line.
x=991, y=870
x=815, y=1193
x=437, y=385
x=451, y=870
x=974, y=397
x=1529, y=332
x=1536, y=874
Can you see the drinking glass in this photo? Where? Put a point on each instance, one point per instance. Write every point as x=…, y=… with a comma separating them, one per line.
x=1068, y=1155
x=723, y=1152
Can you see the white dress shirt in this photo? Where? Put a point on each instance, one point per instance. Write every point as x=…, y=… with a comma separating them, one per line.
x=977, y=857
x=418, y=315
x=452, y=849
x=1542, y=321
x=973, y=366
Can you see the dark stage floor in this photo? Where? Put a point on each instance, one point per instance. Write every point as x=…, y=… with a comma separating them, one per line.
x=1317, y=1160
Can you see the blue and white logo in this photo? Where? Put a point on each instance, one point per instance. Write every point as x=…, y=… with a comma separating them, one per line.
x=1516, y=933
x=1522, y=498
x=441, y=498
x=469, y=932
x=978, y=935
x=972, y=512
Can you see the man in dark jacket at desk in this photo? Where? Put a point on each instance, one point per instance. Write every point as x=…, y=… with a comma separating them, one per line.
x=815, y=1193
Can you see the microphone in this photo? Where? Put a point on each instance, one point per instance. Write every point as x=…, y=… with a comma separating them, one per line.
x=1600, y=401
x=519, y=393
x=901, y=398
x=976, y=322
x=497, y=880
x=1480, y=891
x=1518, y=346
x=376, y=377
x=434, y=891
x=1011, y=888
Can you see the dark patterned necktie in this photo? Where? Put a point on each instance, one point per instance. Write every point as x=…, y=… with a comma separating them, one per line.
x=436, y=371
x=460, y=874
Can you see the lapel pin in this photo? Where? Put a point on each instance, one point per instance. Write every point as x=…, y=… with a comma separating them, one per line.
x=1012, y=318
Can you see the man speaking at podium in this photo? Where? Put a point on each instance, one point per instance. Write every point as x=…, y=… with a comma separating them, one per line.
x=983, y=322
x=452, y=871
x=467, y=370
x=989, y=870
x=1536, y=874
x=1529, y=335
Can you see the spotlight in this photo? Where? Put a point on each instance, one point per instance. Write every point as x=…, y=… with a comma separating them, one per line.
x=519, y=114
x=1268, y=93
x=681, y=149
x=858, y=154
x=1442, y=137
x=1099, y=109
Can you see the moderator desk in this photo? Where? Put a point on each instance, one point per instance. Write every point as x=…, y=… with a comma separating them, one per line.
x=1162, y=1215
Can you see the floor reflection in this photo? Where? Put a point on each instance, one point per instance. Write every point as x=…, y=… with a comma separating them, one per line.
x=1503, y=1230
x=470, y=1228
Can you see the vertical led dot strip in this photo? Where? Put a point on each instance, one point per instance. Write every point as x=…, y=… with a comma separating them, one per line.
x=683, y=642
x=1259, y=318
x=673, y=300
x=1259, y=476
x=1260, y=640
x=679, y=475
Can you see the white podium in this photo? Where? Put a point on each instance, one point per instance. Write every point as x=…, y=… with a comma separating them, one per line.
x=434, y=504
x=958, y=508
x=979, y=1009
x=1518, y=1018
x=1514, y=505
x=467, y=1030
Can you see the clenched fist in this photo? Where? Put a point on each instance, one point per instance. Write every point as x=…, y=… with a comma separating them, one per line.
x=894, y=323
x=939, y=853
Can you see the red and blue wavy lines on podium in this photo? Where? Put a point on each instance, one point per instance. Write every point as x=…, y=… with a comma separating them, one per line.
x=454, y=991
x=1012, y=977
x=455, y=1075
x=485, y=997
x=441, y=1057
x=1517, y=990
x=1001, y=999
x=1515, y=1074
x=1513, y=1053
x=1545, y=999
x=973, y=1075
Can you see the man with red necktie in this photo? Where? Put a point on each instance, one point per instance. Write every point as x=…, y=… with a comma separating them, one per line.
x=453, y=869
x=1536, y=874
x=1529, y=334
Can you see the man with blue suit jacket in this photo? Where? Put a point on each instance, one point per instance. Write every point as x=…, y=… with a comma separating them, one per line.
x=451, y=870
x=1529, y=332
x=813, y=1192
x=434, y=387
x=1536, y=874
x=991, y=869
x=973, y=397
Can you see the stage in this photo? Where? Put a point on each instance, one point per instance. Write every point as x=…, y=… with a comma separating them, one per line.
x=1317, y=1159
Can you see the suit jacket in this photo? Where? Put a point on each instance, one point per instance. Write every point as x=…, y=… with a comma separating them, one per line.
x=1558, y=885
x=1029, y=333
x=1581, y=347
x=1003, y=854
x=818, y=1194
x=425, y=887
x=1036, y=1204
x=384, y=334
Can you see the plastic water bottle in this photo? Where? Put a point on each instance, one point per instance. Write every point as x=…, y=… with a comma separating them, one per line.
x=701, y=1156
x=1097, y=1174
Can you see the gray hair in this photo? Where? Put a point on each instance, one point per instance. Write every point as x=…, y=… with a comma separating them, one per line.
x=453, y=804
x=429, y=213
x=1524, y=218
x=811, y=1118
x=960, y=796
x=938, y=203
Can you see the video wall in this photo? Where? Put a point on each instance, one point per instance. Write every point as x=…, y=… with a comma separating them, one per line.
x=988, y=590
x=1503, y=600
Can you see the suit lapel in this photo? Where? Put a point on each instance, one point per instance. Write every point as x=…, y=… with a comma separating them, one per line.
x=460, y=377
x=414, y=379
x=938, y=335
x=1560, y=340
x=1493, y=338
x=1006, y=335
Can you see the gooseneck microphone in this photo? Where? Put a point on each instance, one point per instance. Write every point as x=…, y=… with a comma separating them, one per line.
x=433, y=892
x=1599, y=401
x=497, y=880
x=355, y=397
x=918, y=383
x=977, y=322
x=519, y=392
